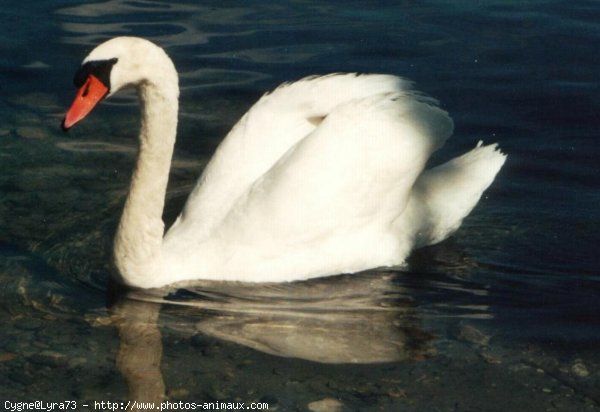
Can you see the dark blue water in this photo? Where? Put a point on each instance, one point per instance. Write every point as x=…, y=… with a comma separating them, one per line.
x=507, y=305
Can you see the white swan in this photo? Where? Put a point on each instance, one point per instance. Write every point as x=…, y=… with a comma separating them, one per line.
x=320, y=177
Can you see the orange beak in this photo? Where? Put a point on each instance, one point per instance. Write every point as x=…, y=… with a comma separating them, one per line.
x=88, y=96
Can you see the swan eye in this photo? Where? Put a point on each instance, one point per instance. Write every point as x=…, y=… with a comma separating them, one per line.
x=101, y=69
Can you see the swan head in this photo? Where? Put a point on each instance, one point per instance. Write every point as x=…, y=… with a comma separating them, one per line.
x=116, y=64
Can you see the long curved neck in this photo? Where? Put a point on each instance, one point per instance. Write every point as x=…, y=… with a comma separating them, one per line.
x=138, y=242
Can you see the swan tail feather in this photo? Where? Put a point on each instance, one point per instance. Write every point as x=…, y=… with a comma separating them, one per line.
x=446, y=194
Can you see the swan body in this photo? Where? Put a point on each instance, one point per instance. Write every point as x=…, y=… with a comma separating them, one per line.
x=320, y=177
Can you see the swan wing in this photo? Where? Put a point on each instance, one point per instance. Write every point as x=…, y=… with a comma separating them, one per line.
x=278, y=121
x=328, y=204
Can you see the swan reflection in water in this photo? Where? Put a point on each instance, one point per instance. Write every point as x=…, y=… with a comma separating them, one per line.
x=356, y=319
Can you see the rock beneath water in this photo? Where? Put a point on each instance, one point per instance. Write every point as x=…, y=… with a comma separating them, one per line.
x=31, y=132
x=49, y=358
x=270, y=399
x=77, y=362
x=178, y=393
x=326, y=405
x=5, y=357
x=491, y=357
x=20, y=376
x=580, y=370
x=218, y=392
x=471, y=334
x=29, y=324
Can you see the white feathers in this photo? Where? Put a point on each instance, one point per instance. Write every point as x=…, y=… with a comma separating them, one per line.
x=316, y=180
x=320, y=177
